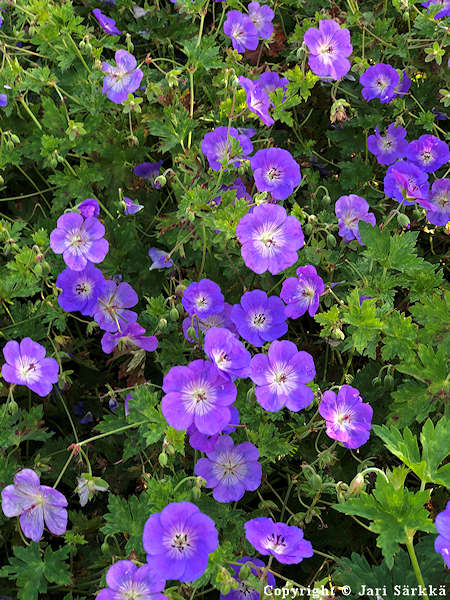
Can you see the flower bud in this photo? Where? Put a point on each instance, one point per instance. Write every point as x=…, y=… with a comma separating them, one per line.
x=331, y=241
x=403, y=220
x=160, y=181
x=191, y=333
x=196, y=493
x=162, y=323
x=388, y=382
x=244, y=572
x=12, y=407
x=337, y=334
x=308, y=228
x=357, y=485
x=179, y=290
x=174, y=314
x=162, y=459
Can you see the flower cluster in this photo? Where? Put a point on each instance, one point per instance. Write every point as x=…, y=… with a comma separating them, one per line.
x=257, y=93
x=244, y=30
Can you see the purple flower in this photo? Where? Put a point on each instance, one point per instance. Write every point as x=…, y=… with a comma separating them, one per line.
x=404, y=175
x=363, y=297
x=379, y=81
x=126, y=404
x=286, y=543
x=148, y=170
x=227, y=353
x=125, y=580
x=205, y=443
x=302, y=293
x=350, y=210
x=88, y=418
x=438, y=212
x=88, y=485
x=203, y=298
x=259, y=318
x=131, y=208
x=240, y=29
x=230, y=470
x=159, y=259
x=89, y=208
x=275, y=171
x=261, y=17
x=113, y=404
x=178, y=541
x=328, y=48
x=221, y=319
x=428, y=152
x=281, y=376
x=270, y=239
x=442, y=542
x=390, y=148
x=132, y=334
x=122, y=79
x=197, y=394
x=241, y=191
x=271, y=81
x=79, y=240
x=444, y=12
x=3, y=100
x=108, y=25
x=34, y=504
x=111, y=312
x=347, y=418
x=80, y=289
x=26, y=365
x=403, y=87
x=244, y=592
x=258, y=101
x=217, y=147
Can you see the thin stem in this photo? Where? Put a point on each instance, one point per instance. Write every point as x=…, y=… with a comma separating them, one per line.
x=414, y=561
x=114, y=431
x=80, y=56
x=64, y=468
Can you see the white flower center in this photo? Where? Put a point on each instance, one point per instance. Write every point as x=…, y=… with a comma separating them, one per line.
x=180, y=542
x=132, y=590
x=84, y=288
x=199, y=397
x=259, y=320
x=277, y=543
x=28, y=368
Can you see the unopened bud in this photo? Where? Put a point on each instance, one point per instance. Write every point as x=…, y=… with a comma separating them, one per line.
x=162, y=323
x=331, y=240
x=244, y=572
x=357, y=485
x=191, y=333
x=160, y=181
x=196, y=493
x=174, y=314
x=162, y=459
x=403, y=220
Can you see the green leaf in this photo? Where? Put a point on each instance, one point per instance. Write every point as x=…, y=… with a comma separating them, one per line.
x=365, y=326
x=328, y=320
x=400, y=336
x=393, y=512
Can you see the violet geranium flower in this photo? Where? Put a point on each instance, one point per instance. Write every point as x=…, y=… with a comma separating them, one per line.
x=125, y=580
x=178, y=541
x=244, y=591
x=329, y=46
x=111, y=311
x=275, y=171
x=258, y=101
x=108, y=25
x=122, y=79
x=132, y=334
x=379, y=81
x=302, y=293
x=270, y=239
x=259, y=318
x=35, y=504
x=228, y=354
x=445, y=10
x=389, y=148
x=261, y=17
x=3, y=99
x=281, y=376
x=89, y=208
x=203, y=298
x=350, y=210
x=79, y=240
x=241, y=30
x=438, y=212
x=285, y=542
x=27, y=365
x=217, y=147
x=148, y=170
x=428, y=152
x=442, y=542
x=271, y=81
x=80, y=289
x=230, y=470
x=198, y=394
x=159, y=259
x=131, y=208
x=348, y=418
x=406, y=176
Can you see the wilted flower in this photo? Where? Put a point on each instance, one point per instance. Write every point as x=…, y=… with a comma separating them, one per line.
x=148, y=170
x=329, y=47
x=159, y=259
x=347, y=418
x=286, y=543
x=3, y=98
x=35, y=504
x=178, y=541
x=108, y=25
x=241, y=30
x=123, y=79
x=88, y=485
x=27, y=365
x=258, y=101
x=89, y=208
x=131, y=208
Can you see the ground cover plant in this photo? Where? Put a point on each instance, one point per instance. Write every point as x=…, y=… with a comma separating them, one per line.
x=224, y=315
